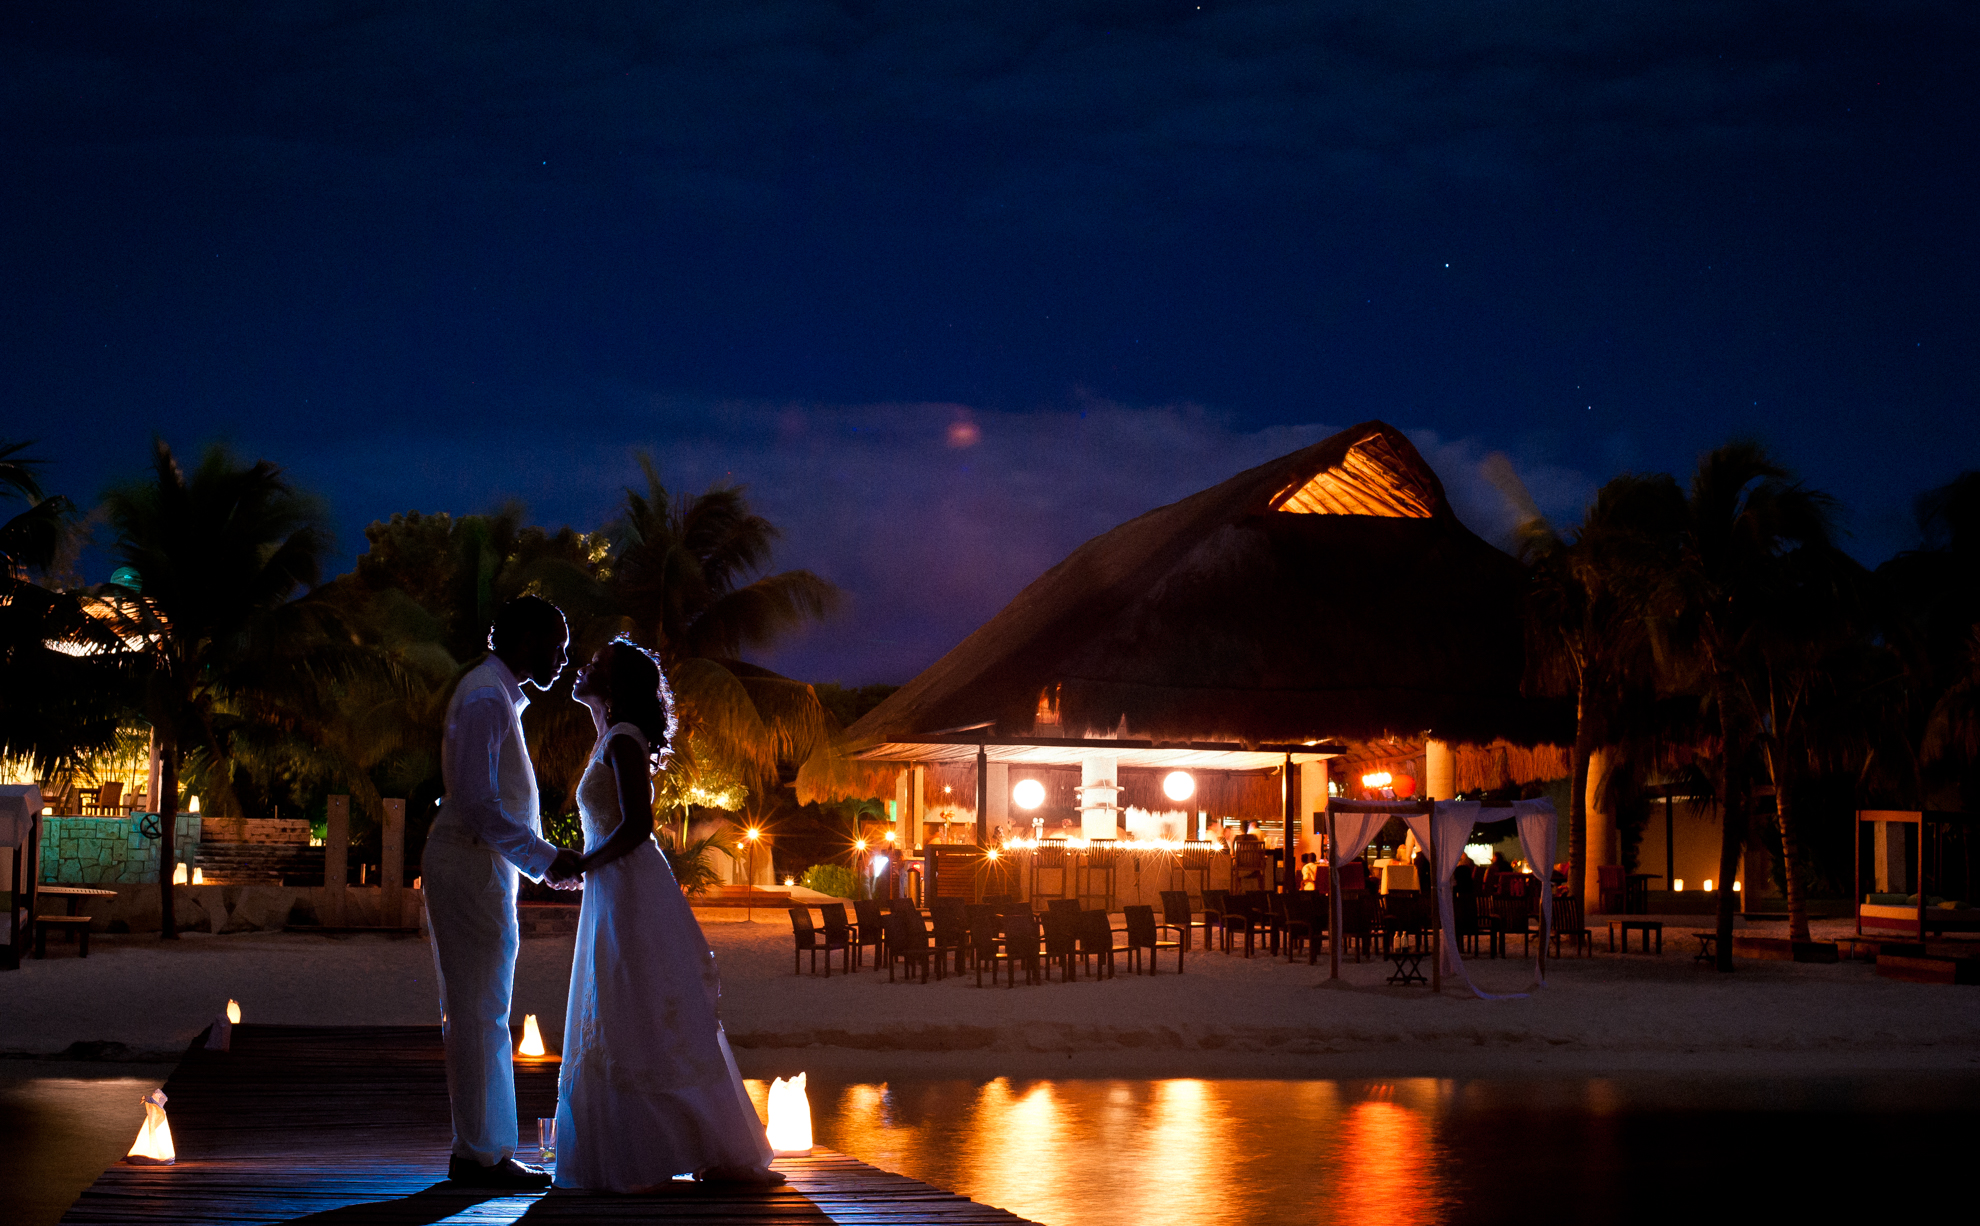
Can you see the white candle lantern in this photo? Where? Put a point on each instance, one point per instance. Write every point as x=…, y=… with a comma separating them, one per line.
x=790, y=1118
x=531, y=1048
x=221, y=1037
x=154, y=1141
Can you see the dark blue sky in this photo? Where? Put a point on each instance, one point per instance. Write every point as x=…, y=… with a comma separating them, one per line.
x=436, y=255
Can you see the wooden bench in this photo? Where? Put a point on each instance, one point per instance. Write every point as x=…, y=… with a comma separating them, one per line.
x=77, y=924
x=1646, y=927
x=1409, y=965
x=1708, y=947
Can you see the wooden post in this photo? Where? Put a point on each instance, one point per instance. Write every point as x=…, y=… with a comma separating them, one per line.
x=1670, y=846
x=1437, y=908
x=982, y=798
x=1288, y=874
x=336, y=856
x=1334, y=895
x=392, y=865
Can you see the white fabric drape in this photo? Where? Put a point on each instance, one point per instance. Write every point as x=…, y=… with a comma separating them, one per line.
x=1537, y=824
x=1351, y=831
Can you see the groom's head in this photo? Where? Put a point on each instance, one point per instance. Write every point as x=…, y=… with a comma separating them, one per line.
x=530, y=636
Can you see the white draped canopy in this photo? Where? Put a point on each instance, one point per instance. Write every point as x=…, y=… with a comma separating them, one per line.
x=1442, y=828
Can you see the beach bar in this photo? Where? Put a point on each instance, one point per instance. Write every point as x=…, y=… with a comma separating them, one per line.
x=1196, y=670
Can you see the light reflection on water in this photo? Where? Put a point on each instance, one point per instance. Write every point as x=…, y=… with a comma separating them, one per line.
x=1209, y=1153
x=1401, y=1152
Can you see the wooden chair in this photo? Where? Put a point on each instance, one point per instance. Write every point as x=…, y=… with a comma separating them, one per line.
x=838, y=935
x=1095, y=935
x=951, y=920
x=1250, y=863
x=1061, y=942
x=1569, y=922
x=107, y=801
x=1018, y=947
x=1246, y=913
x=1611, y=890
x=1305, y=919
x=806, y=939
x=1144, y=933
x=908, y=944
x=1358, y=923
x=1213, y=912
x=870, y=927
x=1176, y=914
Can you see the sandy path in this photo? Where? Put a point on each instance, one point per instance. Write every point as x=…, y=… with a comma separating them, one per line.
x=1226, y=1016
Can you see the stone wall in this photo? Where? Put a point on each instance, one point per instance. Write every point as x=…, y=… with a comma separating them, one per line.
x=109, y=850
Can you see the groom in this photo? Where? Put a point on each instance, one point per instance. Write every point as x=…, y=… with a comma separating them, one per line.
x=487, y=830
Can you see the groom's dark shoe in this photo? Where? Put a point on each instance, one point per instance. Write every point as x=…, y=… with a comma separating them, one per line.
x=508, y=1173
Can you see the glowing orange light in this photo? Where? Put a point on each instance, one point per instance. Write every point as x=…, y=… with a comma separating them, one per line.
x=790, y=1117
x=154, y=1140
x=1178, y=785
x=531, y=1047
x=1028, y=793
x=1377, y=779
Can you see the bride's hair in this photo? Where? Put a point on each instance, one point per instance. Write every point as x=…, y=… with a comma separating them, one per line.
x=640, y=696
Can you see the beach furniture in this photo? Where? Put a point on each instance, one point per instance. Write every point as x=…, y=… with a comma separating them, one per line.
x=1061, y=941
x=870, y=927
x=1095, y=934
x=908, y=944
x=805, y=938
x=1144, y=933
x=1627, y=926
x=1176, y=914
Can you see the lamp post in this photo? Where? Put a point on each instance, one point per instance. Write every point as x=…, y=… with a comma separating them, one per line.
x=749, y=875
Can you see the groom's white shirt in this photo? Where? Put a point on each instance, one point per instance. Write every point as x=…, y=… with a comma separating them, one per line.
x=490, y=786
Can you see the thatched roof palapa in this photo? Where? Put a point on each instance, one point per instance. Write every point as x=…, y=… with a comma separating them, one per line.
x=1330, y=593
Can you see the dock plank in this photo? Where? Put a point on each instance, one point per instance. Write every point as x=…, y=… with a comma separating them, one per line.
x=349, y=1126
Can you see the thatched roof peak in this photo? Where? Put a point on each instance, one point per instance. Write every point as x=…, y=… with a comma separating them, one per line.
x=1330, y=593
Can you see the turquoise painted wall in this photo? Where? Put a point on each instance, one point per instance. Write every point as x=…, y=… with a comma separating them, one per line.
x=109, y=850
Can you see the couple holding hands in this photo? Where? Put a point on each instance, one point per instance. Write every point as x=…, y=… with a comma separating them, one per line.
x=649, y=1088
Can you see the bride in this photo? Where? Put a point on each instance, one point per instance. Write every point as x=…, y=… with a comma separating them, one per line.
x=649, y=1088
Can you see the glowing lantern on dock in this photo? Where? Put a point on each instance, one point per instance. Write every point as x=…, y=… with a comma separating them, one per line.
x=154, y=1141
x=221, y=1036
x=178, y=874
x=790, y=1117
x=531, y=1048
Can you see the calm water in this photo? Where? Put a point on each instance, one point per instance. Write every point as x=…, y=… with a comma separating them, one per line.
x=1224, y=1153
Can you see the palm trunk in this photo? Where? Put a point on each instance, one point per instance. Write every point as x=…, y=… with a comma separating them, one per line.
x=1584, y=749
x=168, y=820
x=1797, y=885
x=1732, y=809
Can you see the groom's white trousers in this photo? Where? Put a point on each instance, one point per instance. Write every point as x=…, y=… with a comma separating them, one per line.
x=471, y=913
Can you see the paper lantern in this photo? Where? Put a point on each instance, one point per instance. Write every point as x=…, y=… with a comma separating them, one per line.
x=1028, y=793
x=1405, y=786
x=153, y=1146
x=1708, y=885
x=199, y=876
x=178, y=874
x=1178, y=785
x=790, y=1118
x=531, y=1047
x=221, y=1036
x=1677, y=886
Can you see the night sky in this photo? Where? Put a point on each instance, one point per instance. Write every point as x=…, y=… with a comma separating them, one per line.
x=953, y=287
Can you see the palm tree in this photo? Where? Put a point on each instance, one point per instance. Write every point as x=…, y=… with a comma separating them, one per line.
x=1931, y=602
x=218, y=554
x=1714, y=613
x=57, y=707
x=1803, y=679
x=685, y=575
x=1585, y=628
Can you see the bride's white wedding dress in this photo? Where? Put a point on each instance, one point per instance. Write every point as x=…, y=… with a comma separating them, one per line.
x=649, y=1088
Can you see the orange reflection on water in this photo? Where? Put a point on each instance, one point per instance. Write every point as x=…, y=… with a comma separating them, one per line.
x=1387, y=1155
x=1136, y=1153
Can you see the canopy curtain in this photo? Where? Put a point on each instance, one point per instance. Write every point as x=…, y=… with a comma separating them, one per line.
x=1537, y=824
x=1350, y=830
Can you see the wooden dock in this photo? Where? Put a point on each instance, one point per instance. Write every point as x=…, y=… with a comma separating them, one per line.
x=350, y=1126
